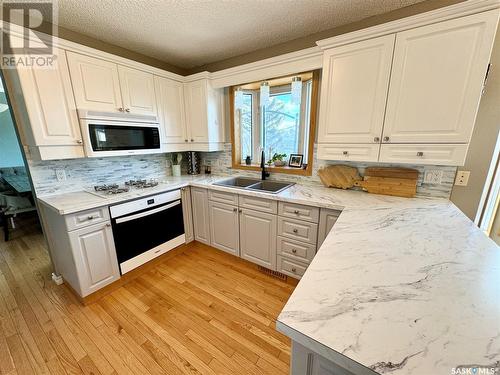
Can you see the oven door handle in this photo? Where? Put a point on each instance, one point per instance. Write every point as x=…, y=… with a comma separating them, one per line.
x=147, y=213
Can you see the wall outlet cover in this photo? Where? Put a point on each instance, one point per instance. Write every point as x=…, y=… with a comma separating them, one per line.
x=462, y=178
x=433, y=177
x=61, y=175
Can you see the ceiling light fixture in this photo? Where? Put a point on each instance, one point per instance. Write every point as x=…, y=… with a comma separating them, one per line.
x=296, y=90
x=264, y=93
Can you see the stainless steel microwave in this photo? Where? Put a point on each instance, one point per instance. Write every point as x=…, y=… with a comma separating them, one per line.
x=110, y=134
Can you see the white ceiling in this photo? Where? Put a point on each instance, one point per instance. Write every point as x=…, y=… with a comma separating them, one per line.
x=189, y=33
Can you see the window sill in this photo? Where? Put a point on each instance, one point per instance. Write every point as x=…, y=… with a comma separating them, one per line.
x=272, y=169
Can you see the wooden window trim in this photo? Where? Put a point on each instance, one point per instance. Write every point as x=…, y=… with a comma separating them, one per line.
x=237, y=163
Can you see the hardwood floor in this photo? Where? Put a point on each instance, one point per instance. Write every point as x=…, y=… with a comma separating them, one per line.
x=200, y=312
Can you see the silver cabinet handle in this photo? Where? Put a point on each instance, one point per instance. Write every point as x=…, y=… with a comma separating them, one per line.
x=345, y=153
x=127, y=110
x=79, y=141
x=296, y=212
x=192, y=140
x=108, y=224
x=294, y=251
x=295, y=230
x=235, y=209
x=376, y=139
x=294, y=269
x=240, y=210
x=420, y=154
x=185, y=140
x=386, y=139
x=90, y=217
x=121, y=109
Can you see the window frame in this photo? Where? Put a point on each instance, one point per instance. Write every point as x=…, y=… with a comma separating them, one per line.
x=311, y=112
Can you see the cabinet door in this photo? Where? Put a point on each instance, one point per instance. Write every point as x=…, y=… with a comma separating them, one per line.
x=354, y=91
x=170, y=99
x=138, y=91
x=437, y=79
x=327, y=219
x=187, y=212
x=258, y=237
x=201, y=217
x=95, y=83
x=224, y=227
x=196, y=111
x=215, y=113
x=95, y=257
x=50, y=105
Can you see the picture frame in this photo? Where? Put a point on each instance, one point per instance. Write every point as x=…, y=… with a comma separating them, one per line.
x=295, y=160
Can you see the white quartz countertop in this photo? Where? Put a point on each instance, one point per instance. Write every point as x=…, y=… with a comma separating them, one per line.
x=400, y=286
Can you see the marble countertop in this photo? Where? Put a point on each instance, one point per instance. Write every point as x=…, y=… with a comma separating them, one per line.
x=400, y=286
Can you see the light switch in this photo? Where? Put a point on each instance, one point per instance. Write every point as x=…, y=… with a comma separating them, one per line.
x=462, y=178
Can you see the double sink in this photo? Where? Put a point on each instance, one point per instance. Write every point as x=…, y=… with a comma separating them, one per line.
x=265, y=186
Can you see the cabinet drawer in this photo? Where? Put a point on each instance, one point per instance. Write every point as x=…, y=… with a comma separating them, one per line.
x=348, y=152
x=298, y=230
x=450, y=154
x=297, y=250
x=258, y=204
x=291, y=267
x=298, y=211
x=223, y=197
x=85, y=218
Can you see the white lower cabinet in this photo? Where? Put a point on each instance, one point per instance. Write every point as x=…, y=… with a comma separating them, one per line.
x=95, y=257
x=304, y=361
x=258, y=237
x=327, y=219
x=224, y=227
x=201, y=217
x=187, y=212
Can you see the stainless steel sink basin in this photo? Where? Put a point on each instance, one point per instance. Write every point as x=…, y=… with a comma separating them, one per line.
x=240, y=182
x=270, y=186
x=266, y=186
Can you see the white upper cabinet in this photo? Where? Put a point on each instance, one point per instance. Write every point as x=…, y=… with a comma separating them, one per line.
x=48, y=120
x=204, y=115
x=95, y=83
x=138, y=91
x=437, y=78
x=170, y=99
x=354, y=91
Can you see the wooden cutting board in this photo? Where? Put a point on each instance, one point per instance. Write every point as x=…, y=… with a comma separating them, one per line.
x=339, y=176
x=400, y=182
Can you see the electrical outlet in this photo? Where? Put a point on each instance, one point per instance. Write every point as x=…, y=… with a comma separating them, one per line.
x=433, y=177
x=462, y=178
x=61, y=175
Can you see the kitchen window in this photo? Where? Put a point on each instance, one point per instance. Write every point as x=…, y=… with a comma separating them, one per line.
x=282, y=123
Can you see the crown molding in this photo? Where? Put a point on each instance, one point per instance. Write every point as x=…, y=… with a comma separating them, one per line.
x=437, y=15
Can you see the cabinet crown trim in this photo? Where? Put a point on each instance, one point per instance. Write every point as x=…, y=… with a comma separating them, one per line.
x=433, y=16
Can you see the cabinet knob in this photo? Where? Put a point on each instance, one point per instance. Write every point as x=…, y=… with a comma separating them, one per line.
x=376, y=139
x=79, y=141
x=120, y=109
x=185, y=140
x=294, y=269
x=240, y=210
x=345, y=153
x=127, y=110
x=295, y=230
x=386, y=139
x=296, y=212
x=90, y=217
x=420, y=153
x=235, y=209
x=294, y=251
x=192, y=140
x=108, y=224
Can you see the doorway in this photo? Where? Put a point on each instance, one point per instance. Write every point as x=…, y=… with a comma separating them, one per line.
x=18, y=213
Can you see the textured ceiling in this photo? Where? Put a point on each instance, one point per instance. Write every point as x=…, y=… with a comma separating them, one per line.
x=189, y=33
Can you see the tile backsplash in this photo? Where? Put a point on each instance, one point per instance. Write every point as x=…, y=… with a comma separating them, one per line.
x=85, y=173
x=220, y=163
